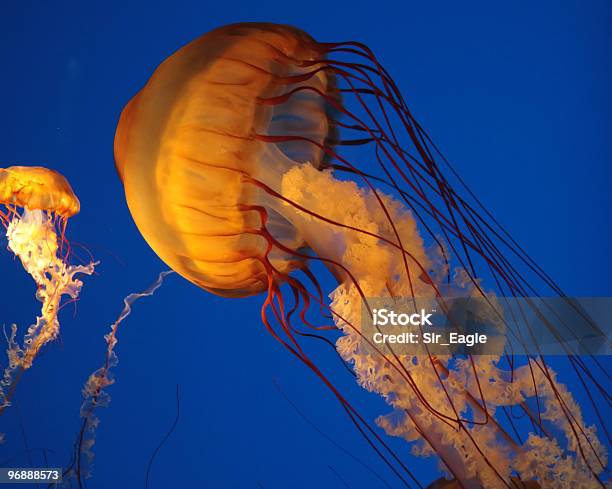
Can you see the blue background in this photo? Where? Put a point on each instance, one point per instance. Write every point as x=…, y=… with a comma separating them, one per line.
x=517, y=96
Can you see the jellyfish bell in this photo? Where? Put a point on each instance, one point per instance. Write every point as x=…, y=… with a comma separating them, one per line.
x=188, y=154
x=232, y=170
x=38, y=188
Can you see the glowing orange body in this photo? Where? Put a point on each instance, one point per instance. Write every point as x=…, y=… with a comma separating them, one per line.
x=37, y=188
x=187, y=145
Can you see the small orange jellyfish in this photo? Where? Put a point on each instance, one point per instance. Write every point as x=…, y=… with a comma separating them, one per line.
x=231, y=163
x=36, y=205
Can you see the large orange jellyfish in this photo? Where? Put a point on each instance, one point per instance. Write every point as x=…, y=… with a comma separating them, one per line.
x=35, y=205
x=230, y=158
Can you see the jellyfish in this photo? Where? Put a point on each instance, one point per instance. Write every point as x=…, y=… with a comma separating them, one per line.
x=255, y=153
x=36, y=205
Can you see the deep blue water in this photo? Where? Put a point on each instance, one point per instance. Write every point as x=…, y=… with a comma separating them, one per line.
x=518, y=98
